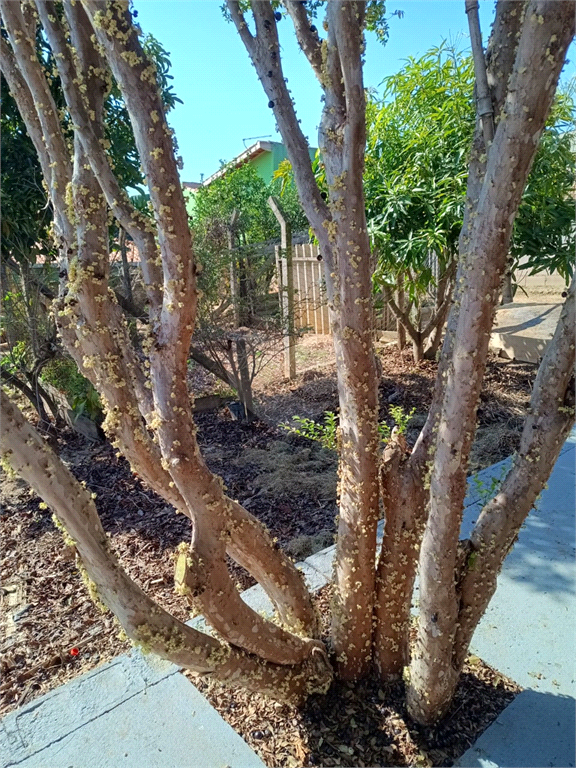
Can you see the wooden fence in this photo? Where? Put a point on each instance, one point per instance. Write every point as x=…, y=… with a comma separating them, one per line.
x=310, y=307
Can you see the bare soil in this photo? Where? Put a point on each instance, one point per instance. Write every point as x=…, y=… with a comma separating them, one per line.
x=51, y=631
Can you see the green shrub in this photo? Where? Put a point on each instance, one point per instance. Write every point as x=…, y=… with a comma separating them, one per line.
x=326, y=433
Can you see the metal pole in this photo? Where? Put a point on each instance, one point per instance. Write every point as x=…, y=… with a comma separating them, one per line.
x=287, y=290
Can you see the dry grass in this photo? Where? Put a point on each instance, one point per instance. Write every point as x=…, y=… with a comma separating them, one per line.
x=287, y=471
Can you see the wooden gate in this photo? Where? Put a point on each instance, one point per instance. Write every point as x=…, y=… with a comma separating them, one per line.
x=310, y=306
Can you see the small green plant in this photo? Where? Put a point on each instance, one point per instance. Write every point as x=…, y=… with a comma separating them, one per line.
x=384, y=431
x=488, y=490
x=401, y=418
x=16, y=359
x=88, y=404
x=326, y=433
x=63, y=374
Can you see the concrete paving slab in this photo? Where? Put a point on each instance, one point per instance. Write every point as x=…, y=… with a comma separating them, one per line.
x=536, y=730
x=522, y=331
x=323, y=561
x=130, y=713
x=68, y=707
x=570, y=441
x=567, y=460
x=529, y=629
x=315, y=579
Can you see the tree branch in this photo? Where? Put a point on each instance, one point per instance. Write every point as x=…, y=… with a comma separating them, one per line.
x=144, y=621
x=135, y=223
x=542, y=48
x=211, y=365
x=131, y=67
x=502, y=47
x=52, y=147
x=404, y=318
x=306, y=35
x=13, y=381
x=501, y=55
x=483, y=96
x=439, y=316
x=550, y=418
x=264, y=51
x=345, y=16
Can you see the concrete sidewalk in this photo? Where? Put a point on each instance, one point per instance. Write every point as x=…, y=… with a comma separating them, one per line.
x=140, y=712
x=529, y=633
x=134, y=712
x=522, y=331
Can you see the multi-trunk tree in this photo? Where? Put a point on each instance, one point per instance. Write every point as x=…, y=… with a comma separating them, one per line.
x=144, y=390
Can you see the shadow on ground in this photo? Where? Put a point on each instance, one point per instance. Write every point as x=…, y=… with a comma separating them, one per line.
x=536, y=730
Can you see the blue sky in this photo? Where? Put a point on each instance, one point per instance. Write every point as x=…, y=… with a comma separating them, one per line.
x=224, y=103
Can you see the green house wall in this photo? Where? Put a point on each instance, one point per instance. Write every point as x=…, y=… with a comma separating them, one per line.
x=266, y=163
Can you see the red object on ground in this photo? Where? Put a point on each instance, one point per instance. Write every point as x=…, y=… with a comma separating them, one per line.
x=74, y=651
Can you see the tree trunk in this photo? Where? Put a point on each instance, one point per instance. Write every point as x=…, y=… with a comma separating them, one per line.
x=245, y=380
x=418, y=348
x=433, y=675
x=507, y=289
x=126, y=277
x=404, y=497
x=145, y=622
x=550, y=419
x=400, y=327
x=149, y=413
x=30, y=309
x=27, y=391
x=172, y=466
x=341, y=231
x=435, y=328
x=238, y=290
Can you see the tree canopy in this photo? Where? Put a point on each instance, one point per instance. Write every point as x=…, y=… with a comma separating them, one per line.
x=419, y=137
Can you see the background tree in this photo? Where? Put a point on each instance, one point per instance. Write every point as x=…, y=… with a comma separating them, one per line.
x=419, y=134
x=544, y=232
x=28, y=331
x=422, y=491
x=30, y=276
x=239, y=326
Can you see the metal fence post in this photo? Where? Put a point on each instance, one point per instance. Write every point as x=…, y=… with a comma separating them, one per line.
x=286, y=286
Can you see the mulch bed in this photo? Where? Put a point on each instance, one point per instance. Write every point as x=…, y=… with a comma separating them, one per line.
x=361, y=724
x=51, y=631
